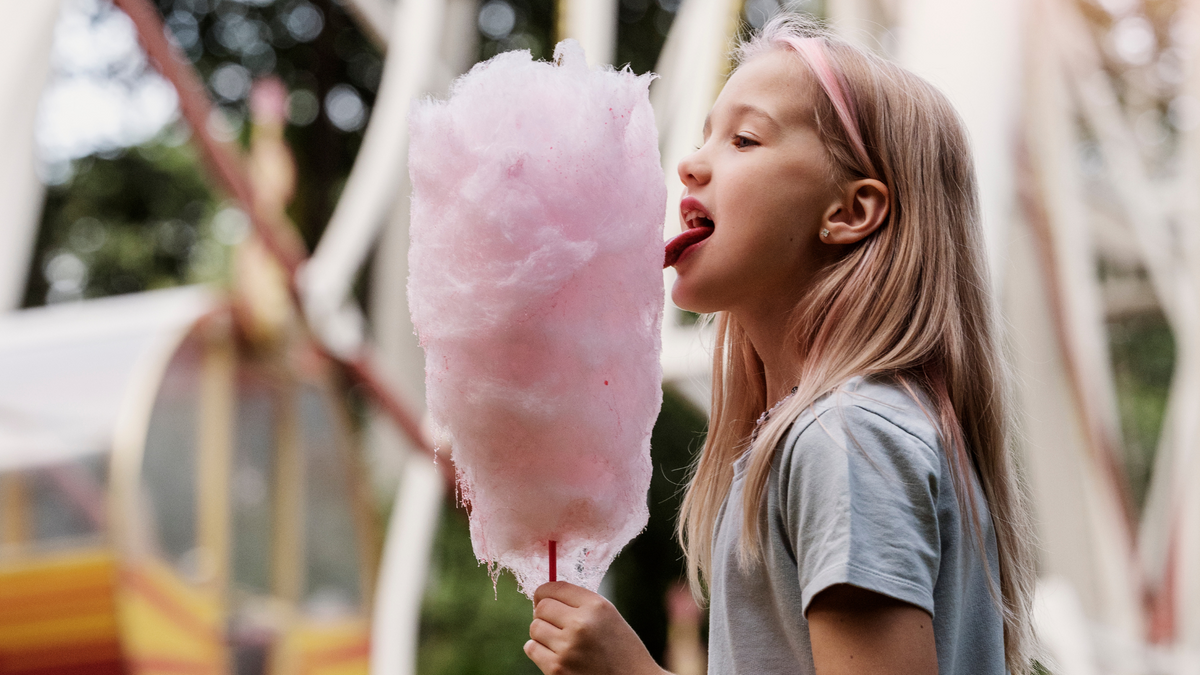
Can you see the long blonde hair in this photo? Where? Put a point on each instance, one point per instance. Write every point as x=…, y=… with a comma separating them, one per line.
x=911, y=302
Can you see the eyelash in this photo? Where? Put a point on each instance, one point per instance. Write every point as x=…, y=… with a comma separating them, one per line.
x=740, y=138
x=749, y=141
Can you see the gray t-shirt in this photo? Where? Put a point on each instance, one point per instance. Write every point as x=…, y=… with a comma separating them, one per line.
x=864, y=496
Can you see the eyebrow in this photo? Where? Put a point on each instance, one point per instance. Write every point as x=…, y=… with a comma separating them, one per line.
x=743, y=110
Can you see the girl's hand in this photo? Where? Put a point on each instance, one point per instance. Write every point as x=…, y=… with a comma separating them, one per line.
x=578, y=632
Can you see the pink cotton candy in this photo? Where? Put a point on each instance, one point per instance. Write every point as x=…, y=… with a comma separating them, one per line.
x=535, y=285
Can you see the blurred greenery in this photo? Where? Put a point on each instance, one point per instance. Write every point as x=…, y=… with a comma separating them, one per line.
x=505, y=25
x=1143, y=356
x=466, y=630
x=469, y=627
x=641, y=29
x=318, y=52
x=141, y=218
x=129, y=221
x=653, y=562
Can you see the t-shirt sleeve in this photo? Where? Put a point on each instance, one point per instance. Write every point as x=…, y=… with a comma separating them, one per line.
x=858, y=496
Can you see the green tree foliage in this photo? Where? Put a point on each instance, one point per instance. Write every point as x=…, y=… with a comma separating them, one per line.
x=329, y=67
x=150, y=238
x=653, y=562
x=469, y=626
x=505, y=25
x=1143, y=357
x=155, y=205
x=126, y=222
x=530, y=24
x=641, y=30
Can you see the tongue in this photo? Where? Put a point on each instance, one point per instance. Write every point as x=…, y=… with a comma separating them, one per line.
x=676, y=246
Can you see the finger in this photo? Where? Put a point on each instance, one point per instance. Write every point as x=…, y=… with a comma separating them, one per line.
x=565, y=592
x=554, y=612
x=542, y=657
x=548, y=635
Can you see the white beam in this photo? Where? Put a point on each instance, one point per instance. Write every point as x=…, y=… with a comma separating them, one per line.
x=26, y=35
x=371, y=188
x=401, y=587
x=374, y=17
x=972, y=52
x=592, y=23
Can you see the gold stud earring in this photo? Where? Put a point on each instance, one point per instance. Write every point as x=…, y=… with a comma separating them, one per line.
x=824, y=233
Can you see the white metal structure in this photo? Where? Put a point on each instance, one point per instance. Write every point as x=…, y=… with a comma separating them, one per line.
x=25, y=39
x=592, y=23
x=430, y=43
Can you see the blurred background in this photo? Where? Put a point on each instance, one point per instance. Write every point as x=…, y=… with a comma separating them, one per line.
x=212, y=457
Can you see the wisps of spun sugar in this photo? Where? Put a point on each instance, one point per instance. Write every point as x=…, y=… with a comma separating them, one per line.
x=535, y=287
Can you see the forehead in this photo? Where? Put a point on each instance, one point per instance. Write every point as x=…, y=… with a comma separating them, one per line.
x=778, y=82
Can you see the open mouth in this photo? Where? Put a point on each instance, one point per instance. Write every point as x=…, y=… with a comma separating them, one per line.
x=698, y=228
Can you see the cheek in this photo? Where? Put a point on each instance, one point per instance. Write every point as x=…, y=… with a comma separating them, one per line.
x=796, y=201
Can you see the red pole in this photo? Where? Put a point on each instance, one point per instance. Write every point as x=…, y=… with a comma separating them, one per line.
x=553, y=560
x=223, y=159
x=226, y=165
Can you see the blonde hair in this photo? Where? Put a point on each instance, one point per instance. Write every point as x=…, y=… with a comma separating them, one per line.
x=910, y=302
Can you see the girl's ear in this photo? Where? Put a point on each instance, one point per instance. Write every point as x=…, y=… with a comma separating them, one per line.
x=862, y=209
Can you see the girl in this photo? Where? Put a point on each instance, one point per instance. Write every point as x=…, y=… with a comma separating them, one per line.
x=854, y=509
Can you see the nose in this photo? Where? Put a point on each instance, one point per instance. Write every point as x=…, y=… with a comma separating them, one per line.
x=693, y=169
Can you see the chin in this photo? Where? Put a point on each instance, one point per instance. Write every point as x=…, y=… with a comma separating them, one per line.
x=689, y=299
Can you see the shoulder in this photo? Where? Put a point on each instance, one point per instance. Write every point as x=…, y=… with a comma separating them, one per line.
x=878, y=420
x=859, y=482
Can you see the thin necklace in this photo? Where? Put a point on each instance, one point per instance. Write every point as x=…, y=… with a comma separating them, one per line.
x=762, y=419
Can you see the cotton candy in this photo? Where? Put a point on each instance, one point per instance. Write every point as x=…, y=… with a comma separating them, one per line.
x=535, y=286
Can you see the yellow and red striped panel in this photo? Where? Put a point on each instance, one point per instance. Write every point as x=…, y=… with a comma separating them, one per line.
x=58, y=615
x=325, y=648
x=168, y=627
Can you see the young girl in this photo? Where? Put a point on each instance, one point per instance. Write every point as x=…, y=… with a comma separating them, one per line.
x=854, y=509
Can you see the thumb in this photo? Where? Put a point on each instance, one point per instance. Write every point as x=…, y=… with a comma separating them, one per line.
x=562, y=591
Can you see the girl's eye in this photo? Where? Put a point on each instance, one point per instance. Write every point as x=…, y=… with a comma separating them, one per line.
x=740, y=141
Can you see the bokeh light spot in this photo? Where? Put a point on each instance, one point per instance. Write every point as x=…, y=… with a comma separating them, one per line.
x=302, y=107
x=497, y=19
x=344, y=108
x=231, y=81
x=304, y=22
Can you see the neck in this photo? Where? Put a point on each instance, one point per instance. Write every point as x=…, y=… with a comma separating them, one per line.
x=781, y=363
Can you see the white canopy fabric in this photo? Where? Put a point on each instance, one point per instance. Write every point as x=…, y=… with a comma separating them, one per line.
x=69, y=369
x=25, y=38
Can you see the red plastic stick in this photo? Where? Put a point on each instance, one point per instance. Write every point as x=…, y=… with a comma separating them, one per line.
x=553, y=560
